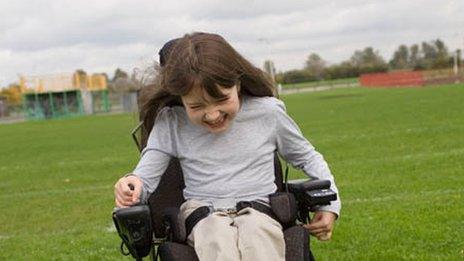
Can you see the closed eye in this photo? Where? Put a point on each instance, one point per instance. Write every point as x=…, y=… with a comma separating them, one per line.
x=195, y=107
x=223, y=99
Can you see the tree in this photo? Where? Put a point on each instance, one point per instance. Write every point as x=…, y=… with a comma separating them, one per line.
x=124, y=85
x=442, y=59
x=12, y=93
x=119, y=73
x=343, y=70
x=121, y=81
x=458, y=54
x=368, y=61
x=429, y=54
x=315, y=66
x=435, y=55
x=415, y=60
x=400, y=58
x=294, y=76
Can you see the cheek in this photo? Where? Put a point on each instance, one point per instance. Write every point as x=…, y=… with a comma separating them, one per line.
x=194, y=116
x=233, y=106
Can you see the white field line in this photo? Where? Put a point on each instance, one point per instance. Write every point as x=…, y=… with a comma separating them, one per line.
x=409, y=196
x=110, y=228
x=47, y=234
x=408, y=157
x=53, y=191
x=3, y=237
x=379, y=134
x=67, y=163
x=451, y=152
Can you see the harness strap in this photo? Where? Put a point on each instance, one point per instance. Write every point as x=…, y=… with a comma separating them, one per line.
x=257, y=206
x=195, y=217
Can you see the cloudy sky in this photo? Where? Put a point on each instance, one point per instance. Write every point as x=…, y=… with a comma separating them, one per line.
x=54, y=36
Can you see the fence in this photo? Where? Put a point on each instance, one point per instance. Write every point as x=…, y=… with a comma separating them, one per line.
x=100, y=102
x=410, y=78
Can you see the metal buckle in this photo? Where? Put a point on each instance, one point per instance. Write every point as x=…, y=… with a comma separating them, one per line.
x=226, y=210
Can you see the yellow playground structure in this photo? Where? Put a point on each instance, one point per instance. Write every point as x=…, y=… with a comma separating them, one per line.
x=65, y=94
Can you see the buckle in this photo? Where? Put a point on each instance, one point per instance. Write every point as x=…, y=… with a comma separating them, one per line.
x=226, y=205
x=226, y=210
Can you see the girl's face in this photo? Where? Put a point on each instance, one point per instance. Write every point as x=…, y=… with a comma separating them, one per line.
x=215, y=115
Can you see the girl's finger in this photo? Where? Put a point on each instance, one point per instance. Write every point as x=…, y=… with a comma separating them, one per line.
x=316, y=225
x=118, y=204
x=124, y=187
x=123, y=195
x=323, y=236
x=319, y=230
x=125, y=201
x=136, y=193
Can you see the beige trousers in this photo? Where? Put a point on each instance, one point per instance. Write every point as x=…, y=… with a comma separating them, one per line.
x=248, y=235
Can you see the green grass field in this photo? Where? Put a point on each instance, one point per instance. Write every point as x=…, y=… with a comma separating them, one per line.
x=397, y=155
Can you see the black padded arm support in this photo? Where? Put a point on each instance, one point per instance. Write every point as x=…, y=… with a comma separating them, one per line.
x=303, y=185
x=310, y=194
x=134, y=228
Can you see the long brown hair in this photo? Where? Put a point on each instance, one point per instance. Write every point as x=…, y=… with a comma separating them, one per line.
x=198, y=59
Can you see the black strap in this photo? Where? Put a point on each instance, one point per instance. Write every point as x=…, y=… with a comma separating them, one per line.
x=256, y=206
x=194, y=217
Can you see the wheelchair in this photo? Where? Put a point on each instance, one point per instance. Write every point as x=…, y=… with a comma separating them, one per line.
x=156, y=229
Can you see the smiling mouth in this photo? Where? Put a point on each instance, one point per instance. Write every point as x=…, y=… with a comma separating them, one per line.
x=217, y=123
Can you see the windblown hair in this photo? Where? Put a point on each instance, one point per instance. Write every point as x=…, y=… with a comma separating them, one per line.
x=198, y=59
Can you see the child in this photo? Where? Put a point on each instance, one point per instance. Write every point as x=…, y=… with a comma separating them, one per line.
x=224, y=125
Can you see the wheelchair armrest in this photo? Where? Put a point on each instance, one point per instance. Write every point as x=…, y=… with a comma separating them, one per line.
x=134, y=228
x=310, y=193
x=303, y=185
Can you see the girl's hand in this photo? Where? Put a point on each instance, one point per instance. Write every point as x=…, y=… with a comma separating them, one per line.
x=124, y=195
x=322, y=224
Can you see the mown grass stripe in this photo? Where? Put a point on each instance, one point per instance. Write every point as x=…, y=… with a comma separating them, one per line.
x=50, y=192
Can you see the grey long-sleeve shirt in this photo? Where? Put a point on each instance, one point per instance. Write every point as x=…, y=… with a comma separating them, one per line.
x=237, y=164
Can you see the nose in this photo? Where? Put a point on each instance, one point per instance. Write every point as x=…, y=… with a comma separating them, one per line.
x=212, y=115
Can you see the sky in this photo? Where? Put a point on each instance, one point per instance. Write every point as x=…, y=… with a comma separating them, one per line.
x=59, y=36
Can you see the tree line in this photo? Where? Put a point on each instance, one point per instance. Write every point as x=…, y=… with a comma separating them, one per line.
x=423, y=56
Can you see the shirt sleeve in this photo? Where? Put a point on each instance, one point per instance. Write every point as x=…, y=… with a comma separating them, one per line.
x=301, y=154
x=156, y=155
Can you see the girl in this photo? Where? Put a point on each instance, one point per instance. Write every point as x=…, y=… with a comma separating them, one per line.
x=217, y=114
